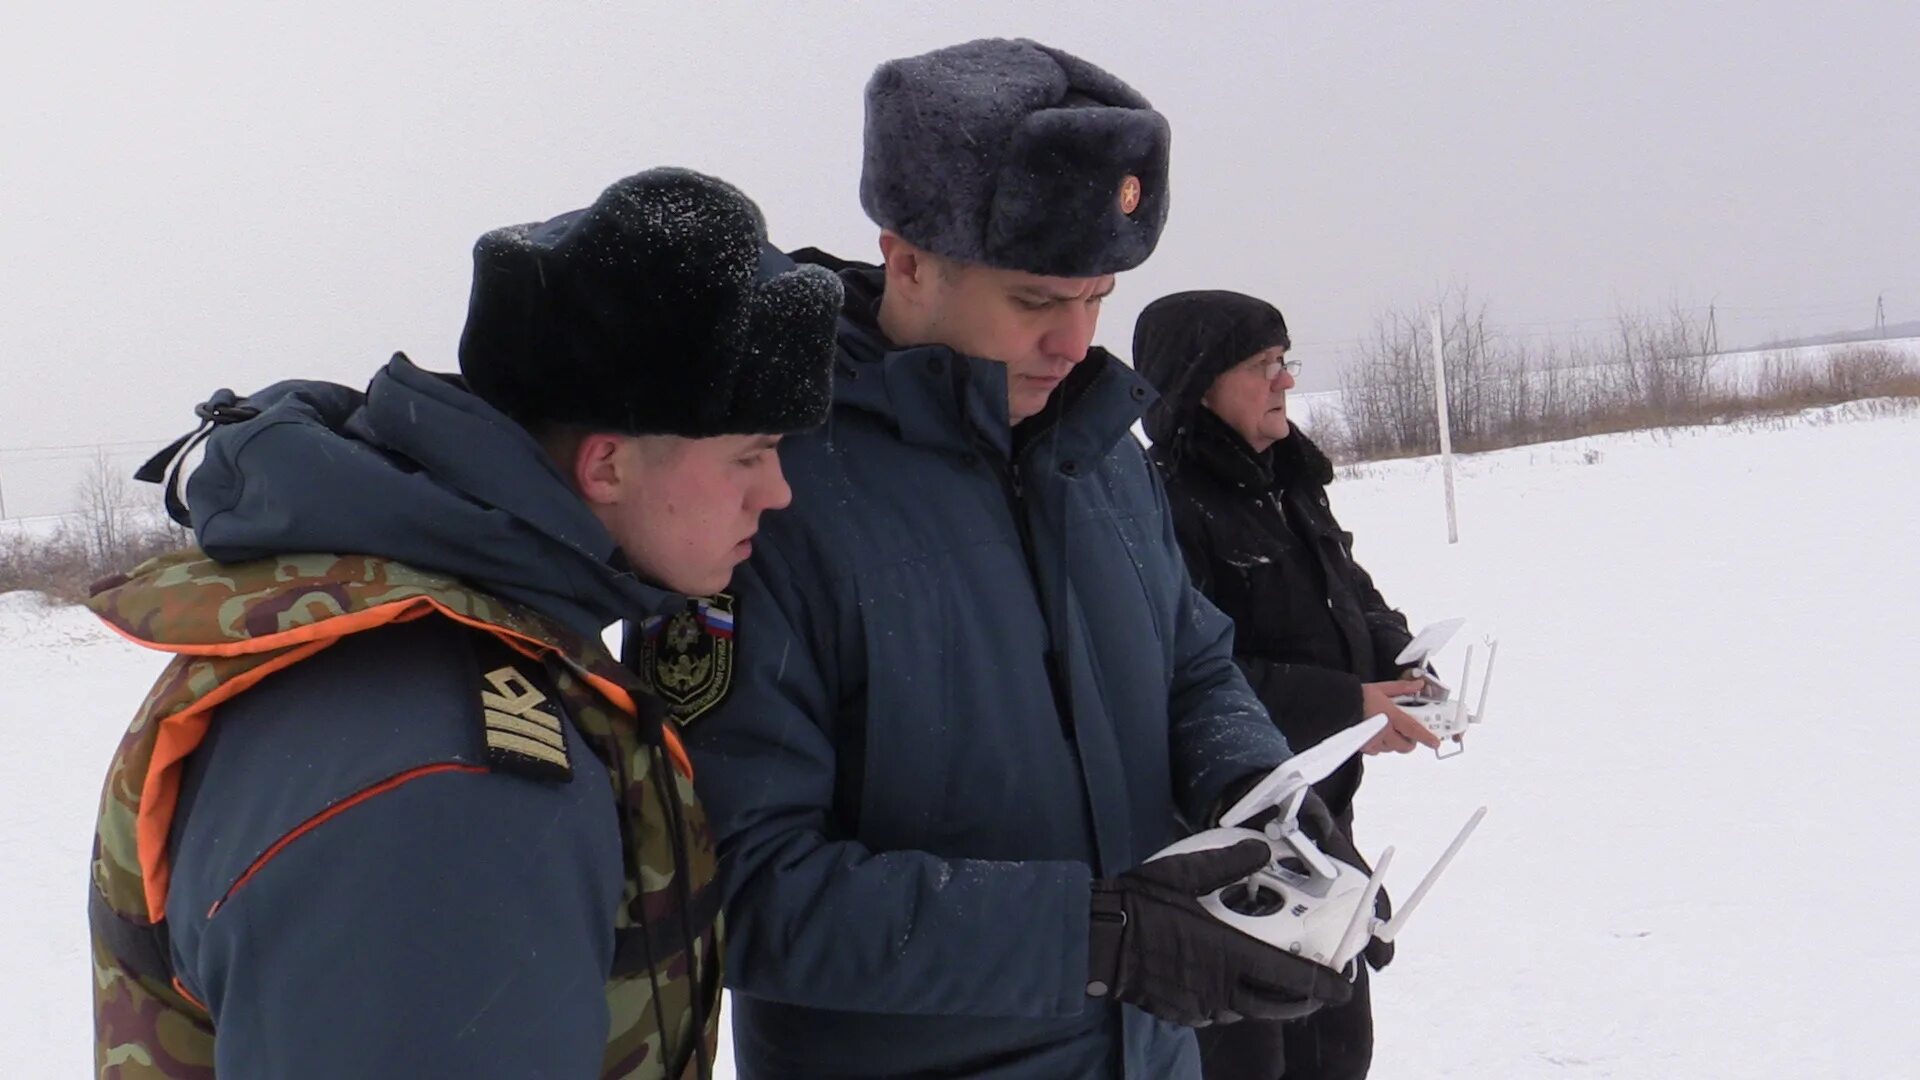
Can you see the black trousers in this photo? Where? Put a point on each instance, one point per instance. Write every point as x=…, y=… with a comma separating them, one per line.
x=1330, y=1044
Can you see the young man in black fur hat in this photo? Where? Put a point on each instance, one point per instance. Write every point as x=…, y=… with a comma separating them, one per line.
x=1314, y=636
x=973, y=691
x=394, y=811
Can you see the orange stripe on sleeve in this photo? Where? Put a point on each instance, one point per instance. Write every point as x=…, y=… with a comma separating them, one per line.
x=181, y=989
x=333, y=811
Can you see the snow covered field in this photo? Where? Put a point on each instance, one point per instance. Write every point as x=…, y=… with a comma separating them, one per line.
x=1700, y=856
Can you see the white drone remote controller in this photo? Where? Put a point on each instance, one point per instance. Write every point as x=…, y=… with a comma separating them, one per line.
x=1304, y=900
x=1438, y=709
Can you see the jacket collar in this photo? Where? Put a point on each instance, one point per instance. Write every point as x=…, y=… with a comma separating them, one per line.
x=1215, y=446
x=935, y=397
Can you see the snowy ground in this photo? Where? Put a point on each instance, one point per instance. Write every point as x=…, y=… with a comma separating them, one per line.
x=1700, y=851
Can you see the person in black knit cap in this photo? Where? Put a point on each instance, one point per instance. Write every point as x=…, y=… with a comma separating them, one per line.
x=1314, y=636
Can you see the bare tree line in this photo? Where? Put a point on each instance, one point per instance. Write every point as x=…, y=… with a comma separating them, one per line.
x=1645, y=371
x=114, y=530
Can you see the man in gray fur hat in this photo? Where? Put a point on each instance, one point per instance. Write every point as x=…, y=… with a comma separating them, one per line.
x=972, y=690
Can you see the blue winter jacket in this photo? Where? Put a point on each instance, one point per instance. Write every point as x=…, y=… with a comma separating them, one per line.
x=969, y=678
x=461, y=924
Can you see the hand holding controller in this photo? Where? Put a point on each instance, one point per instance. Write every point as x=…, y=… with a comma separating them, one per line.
x=1436, y=707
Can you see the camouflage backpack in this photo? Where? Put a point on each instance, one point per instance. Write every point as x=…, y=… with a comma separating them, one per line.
x=230, y=626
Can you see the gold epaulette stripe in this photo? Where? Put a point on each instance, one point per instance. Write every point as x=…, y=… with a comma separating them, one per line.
x=525, y=747
x=532, y=724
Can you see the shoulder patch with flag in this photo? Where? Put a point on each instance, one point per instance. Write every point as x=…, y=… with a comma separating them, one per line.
x=688, y=656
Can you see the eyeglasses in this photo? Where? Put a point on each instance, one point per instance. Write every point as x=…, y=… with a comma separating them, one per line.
x=1271, y=368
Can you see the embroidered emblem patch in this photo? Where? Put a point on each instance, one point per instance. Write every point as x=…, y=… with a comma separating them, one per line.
x=688, y=656
x=524, y=734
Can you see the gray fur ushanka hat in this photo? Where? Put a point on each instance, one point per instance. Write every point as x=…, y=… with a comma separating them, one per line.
x=659, y=310
x=1012, y=154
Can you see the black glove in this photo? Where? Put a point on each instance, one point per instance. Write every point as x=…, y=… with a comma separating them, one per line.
x=1380, y=953
x=1155, y=947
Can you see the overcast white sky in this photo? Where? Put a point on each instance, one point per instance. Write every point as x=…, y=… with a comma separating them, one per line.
x=195, y=195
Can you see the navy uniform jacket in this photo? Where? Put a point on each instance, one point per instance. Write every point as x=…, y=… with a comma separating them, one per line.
x=460, y=923
x=969, y=678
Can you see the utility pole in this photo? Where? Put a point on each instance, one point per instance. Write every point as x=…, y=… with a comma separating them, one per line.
x=1440, y=414
x=1880, y=316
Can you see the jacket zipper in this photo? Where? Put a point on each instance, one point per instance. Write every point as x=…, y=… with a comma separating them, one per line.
x=1016, y=492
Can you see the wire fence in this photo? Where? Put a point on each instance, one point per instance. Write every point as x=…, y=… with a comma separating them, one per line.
x=48, y=482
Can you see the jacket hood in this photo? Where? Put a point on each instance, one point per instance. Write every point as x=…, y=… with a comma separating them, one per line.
x=419, y=470
x=863, y=284
x=1183, y=342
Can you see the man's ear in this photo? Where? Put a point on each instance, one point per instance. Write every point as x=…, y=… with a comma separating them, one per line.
x=909, y=268
x=599, y=468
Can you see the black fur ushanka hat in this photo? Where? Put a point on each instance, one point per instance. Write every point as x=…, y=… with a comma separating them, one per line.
x=659, y=310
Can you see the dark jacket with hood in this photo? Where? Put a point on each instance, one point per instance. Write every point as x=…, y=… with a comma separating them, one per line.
x=1259, y=532
x=358, y=887
x=970, y=676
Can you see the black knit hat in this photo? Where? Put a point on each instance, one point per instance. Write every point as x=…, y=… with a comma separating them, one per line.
x=1183, y=342
x=659, y=310
x=1015, y=155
